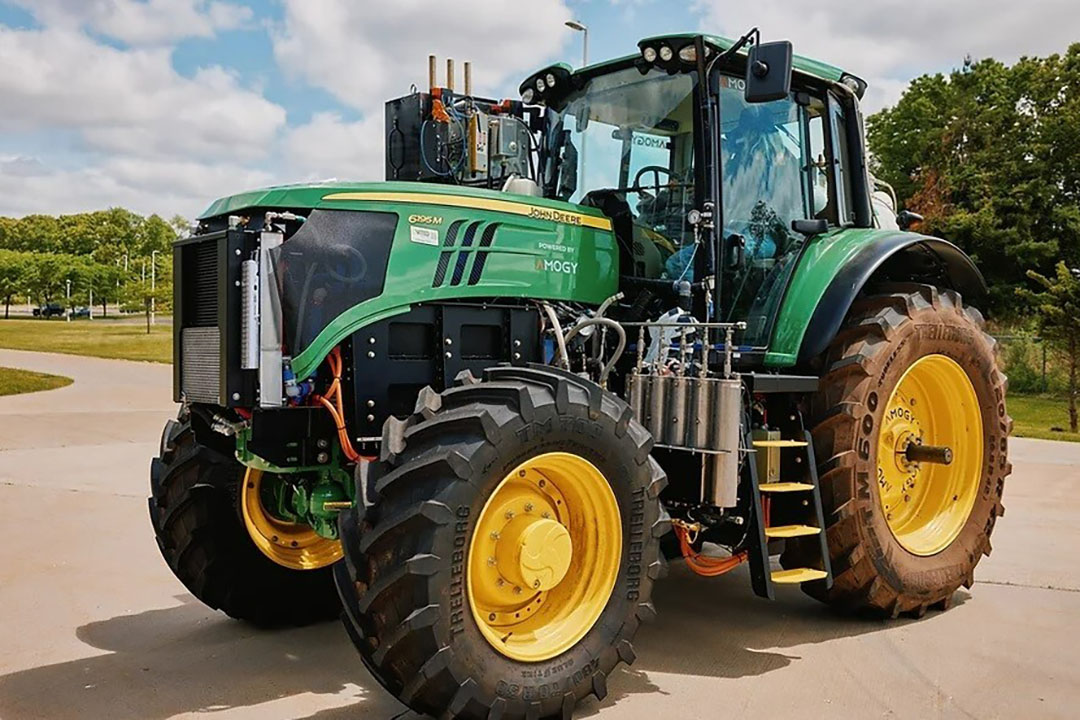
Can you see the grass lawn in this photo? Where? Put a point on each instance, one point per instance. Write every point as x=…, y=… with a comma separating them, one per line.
x=99, y=338
x=1034, y=415
x=14, y=382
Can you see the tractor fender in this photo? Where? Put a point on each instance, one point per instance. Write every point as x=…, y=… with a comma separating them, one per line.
x=894, y=256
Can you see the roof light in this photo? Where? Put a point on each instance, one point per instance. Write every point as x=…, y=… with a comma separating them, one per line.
x=541, y=86
x=649, y=54
x=666, y=53
x=527, y=96
x=688, y=54
x=550, y=80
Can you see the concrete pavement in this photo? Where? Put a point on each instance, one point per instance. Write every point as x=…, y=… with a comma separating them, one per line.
x=95, y=626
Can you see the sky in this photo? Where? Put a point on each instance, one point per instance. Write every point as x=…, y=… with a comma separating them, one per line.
x=163, y=105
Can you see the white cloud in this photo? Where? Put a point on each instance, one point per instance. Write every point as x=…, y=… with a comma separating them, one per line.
x=129, y=101
x=141, y=22
x=364, y=57
x=146, y=137
x=145, y=186
x=328, y=146
x=887, y=42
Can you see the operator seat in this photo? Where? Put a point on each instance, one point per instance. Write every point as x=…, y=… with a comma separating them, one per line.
x=613, y=204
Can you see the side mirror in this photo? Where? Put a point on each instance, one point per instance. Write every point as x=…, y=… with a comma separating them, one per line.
x=905, y=219
x=809, y=228
x=768, y=72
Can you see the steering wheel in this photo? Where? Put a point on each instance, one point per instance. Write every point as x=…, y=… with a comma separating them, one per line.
x=655, y=170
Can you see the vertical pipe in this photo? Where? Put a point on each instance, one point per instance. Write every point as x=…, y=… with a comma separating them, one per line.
x=728, y=409
x=468, y=79
x=450, y=74
x=657, y=406
x=433, y=81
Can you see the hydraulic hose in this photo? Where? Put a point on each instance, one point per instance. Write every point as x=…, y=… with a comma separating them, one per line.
x=606, y=322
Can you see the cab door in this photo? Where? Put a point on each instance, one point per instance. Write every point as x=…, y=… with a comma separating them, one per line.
x=775, y=167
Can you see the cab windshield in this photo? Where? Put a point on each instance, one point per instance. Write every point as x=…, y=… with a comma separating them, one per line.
x=625, y=142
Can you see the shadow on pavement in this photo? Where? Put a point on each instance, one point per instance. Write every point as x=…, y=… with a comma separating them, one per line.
x=187, y=659
x=718, y=628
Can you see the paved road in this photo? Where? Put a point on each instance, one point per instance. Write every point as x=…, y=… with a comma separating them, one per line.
x=94, y=626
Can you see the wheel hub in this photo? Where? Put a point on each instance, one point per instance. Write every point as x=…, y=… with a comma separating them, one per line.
x=534, y=553
x=289, y=544
x=544, y=556
x=930, y=455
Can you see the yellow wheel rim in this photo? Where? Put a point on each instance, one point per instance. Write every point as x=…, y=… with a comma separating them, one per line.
x=292, y=545
x=927, y=504
x=544, y=556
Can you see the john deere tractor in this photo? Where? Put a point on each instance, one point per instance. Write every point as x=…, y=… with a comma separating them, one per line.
x=644, y=312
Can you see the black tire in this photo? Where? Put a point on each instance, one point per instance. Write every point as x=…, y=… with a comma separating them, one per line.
x=402, y=583
x=883, y=335
x=201, y=534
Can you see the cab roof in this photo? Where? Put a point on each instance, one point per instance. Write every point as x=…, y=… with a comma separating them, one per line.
x=805, y=65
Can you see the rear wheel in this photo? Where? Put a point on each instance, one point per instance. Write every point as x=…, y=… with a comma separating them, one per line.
x=510, y=557
x=222, y=544
x=911, y=431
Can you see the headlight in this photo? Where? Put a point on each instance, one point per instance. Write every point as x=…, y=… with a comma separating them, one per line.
x=541, y=86
x=665, y=53
x=550, y=80
x=527, y=96
x=688, y=54
x=649, y=54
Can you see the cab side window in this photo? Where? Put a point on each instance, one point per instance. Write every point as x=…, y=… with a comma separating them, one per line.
x=841, y=162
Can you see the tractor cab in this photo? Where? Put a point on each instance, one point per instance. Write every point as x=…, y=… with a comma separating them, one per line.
x=707, y=183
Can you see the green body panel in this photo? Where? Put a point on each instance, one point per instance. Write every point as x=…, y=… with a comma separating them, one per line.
x=569, y=254
x=822, y=259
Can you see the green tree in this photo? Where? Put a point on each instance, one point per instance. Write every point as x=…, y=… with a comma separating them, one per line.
x=47, y=274
x=1057, y=305
x=988, y=155
x=14, y=267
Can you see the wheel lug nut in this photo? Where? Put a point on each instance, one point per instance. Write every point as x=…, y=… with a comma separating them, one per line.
x=528, y=507
x=500, y=582
x=517, y=590
x=491, y=561
x=495, y=535
x=509, y=514
x=546, y=515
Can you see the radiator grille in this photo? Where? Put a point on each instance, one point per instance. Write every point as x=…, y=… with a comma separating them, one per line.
x=200, y=349
x=200, y=292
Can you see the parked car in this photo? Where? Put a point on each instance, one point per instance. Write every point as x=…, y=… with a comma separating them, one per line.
x=80, y=312
x=49, y=310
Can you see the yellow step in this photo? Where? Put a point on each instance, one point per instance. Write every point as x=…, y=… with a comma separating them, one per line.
x=785, y=487
x=797, y=575
x=779, y=443
x=788, y=531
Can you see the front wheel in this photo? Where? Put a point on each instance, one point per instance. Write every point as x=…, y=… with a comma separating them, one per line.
x=510, y=557
x=911, y=431
x=225, y=547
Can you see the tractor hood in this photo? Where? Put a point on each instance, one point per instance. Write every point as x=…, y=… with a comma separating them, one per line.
x=392, y=195
x=369, y=251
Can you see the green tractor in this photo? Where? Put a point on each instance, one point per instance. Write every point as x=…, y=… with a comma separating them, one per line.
x=646, y=311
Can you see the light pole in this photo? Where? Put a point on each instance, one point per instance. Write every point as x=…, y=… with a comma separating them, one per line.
x=584, y=30
x=153, y=285
x=68, y=300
